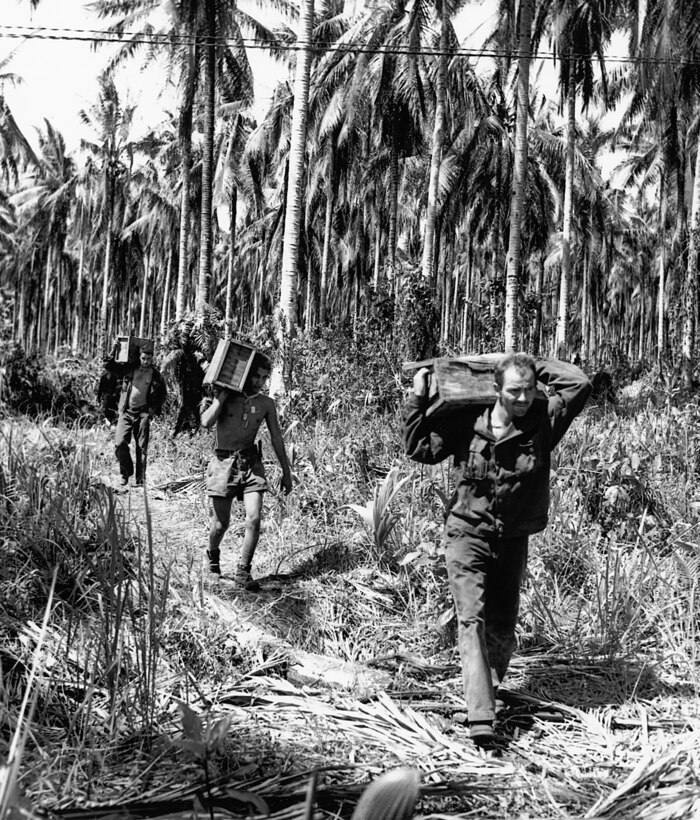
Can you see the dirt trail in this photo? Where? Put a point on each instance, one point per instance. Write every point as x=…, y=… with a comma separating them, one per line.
x=179, y=530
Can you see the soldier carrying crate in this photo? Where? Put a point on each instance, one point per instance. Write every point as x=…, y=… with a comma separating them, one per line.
x=501, y=450
x=143, y=395
x=236, y=469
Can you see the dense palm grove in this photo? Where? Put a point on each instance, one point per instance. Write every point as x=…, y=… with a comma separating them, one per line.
x=393, y=167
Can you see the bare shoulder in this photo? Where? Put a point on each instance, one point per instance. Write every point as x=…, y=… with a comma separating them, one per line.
x=268, y=405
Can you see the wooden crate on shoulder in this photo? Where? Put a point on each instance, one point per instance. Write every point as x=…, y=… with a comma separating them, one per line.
x=129, y=347
x=230, y=364
x=462, y=381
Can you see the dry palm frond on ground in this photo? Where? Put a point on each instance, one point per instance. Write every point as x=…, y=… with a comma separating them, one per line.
x=601, y=701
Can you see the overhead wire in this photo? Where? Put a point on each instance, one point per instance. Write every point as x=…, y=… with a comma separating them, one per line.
x=151, y=38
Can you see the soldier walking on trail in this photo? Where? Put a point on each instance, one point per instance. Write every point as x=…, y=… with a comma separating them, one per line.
x=502, y=465
x=236, y=469
x=143, y=394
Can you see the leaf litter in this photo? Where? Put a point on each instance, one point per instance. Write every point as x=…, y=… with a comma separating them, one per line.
x=636, y=756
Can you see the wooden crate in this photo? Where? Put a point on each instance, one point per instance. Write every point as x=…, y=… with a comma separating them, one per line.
x=230, y=364
x=460, y=382
x=129, y=347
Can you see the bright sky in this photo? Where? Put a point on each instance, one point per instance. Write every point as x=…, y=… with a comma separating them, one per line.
x=60, y=76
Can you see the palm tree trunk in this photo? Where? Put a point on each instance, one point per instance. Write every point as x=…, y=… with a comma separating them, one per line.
x=519, y=177
x=661, y=307
x=377, y=249
x=691, y=293
x=287, y=309
x=428, y=263
x=21, y=301
x=393, y=206
x=330, y=203
x=79, y=299
x=586, y=310
x=537, y=329
x=102, y=330
x=165, y=304
x=47, y=296
x=565, y=284
x=57, y=306
x=206, y=232
x=91, y=315
x=185, y=173
x=233, y=207
x=144, y=293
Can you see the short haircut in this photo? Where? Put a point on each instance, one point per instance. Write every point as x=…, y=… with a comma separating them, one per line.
x=520, y=361
x=260, y=360
x=147, y=349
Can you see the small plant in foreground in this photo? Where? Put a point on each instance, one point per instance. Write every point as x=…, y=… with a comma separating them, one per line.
x=377, y=515
x=204, y=743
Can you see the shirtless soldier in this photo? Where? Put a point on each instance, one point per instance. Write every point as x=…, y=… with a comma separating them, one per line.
x=143, y=394
x=236, y=469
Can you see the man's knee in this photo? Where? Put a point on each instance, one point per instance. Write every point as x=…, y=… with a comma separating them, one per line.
x=218, y=527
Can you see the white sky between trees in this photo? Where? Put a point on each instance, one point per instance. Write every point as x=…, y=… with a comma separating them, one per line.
x=59, y=77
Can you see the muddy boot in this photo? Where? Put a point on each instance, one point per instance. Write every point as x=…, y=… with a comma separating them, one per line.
x=244, y=580
x=214, y=566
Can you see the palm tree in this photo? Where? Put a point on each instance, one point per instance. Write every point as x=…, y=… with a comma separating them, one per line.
x=47, y=193
x=233, y=179
x=428, y=263
x=519, y=176
x=215, y=51
x=286, y=319
x=583, y=30
x=156, y=221
x=14, y=147
x=662, y=108
x=111, y=153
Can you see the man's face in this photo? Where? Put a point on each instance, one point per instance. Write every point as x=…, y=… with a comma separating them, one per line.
x=146, y=357
x=256, y=379
x=517, y=392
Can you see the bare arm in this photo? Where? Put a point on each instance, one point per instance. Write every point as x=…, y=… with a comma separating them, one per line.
x=212, y=413
x=278, y=446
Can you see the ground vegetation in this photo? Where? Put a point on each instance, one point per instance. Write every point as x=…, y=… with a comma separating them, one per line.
x=133, y=688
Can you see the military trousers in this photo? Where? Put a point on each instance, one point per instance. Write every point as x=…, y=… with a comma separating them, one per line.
x=485, y=576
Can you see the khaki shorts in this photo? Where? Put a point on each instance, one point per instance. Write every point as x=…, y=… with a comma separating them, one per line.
x=232, y=475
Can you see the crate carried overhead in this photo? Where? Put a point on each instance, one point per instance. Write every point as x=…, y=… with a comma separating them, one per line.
x=462, y=381
x=230, y=364
x=130, y=346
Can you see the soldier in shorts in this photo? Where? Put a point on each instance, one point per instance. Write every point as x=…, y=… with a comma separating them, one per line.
x=236, y=469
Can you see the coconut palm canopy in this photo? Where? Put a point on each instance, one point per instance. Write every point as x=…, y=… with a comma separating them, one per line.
x=418, y=133
x=418, y=185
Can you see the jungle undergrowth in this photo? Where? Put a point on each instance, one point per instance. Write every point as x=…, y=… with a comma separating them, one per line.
x=611, y=580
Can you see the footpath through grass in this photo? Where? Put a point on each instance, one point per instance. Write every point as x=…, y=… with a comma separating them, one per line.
x=150, y=693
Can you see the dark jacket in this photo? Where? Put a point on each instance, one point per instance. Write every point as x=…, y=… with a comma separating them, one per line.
x=157, y=389
x=501, y=488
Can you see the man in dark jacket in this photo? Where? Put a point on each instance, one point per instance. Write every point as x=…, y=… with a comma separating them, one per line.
x=142, y=396
x=502, y=465
x=108, y=391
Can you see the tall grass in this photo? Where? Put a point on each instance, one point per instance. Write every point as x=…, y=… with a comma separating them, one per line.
x=614, y=576
x=616, y=571
x=65, y=537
